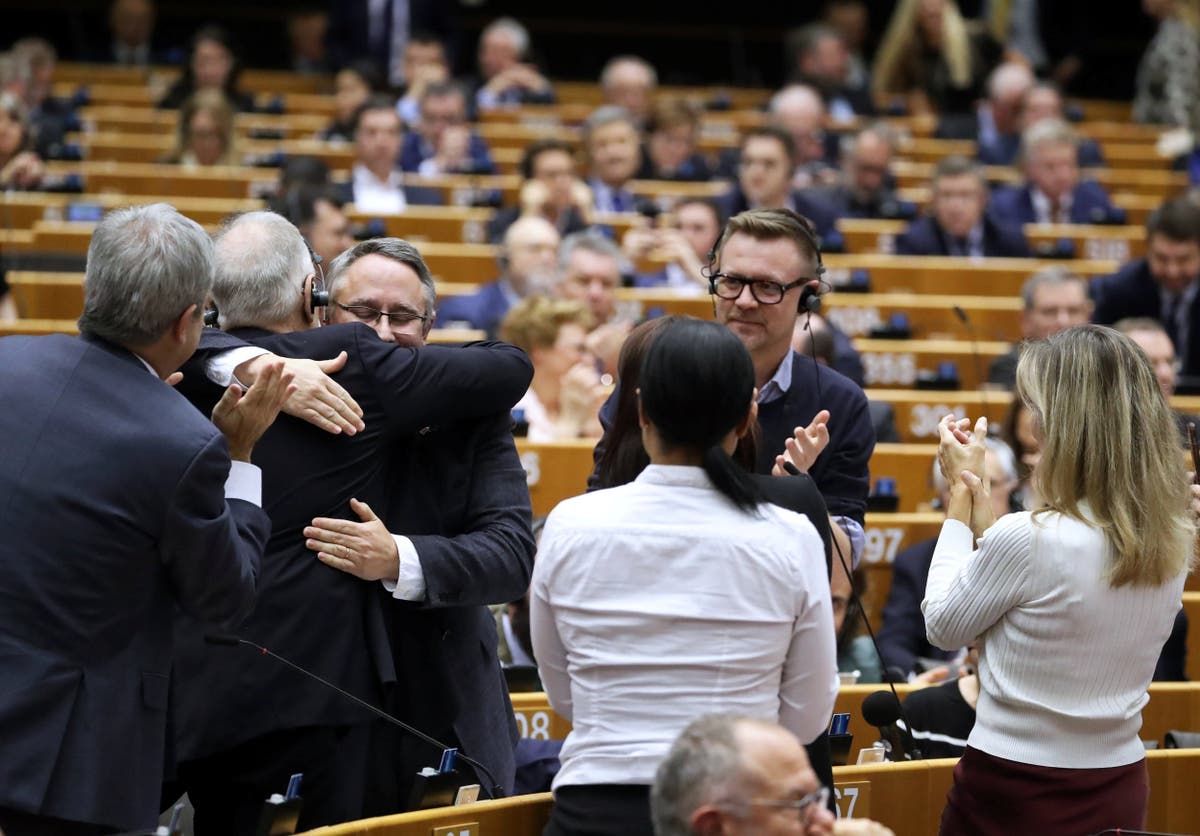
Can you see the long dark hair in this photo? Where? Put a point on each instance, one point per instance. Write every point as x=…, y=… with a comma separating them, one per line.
x=218, y=35
x=696, y=384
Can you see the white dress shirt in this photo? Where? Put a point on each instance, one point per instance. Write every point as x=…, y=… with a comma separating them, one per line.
x=1043, y=209
x=658, y=601
x=1064, y=659
x=378, y=197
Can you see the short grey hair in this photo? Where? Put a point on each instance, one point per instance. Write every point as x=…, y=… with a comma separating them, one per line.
x=849, y=141
x=261, y=263
x=511, y=27
x=397, y=249
x=145, y=266
x=995, y=446
x=606, y=115
x=633, y=60
x=588, y=241
x=1049, y=277
x=704, y=766
x=1009, y=77
x=1047, y=132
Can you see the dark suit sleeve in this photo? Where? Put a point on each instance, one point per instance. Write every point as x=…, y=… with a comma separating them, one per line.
x=1108, y=303
x=844, y=477
x=608, y=411
x=902, y=635
x=491, y=561
x=212, y=547
x=437, y=383
x=1172, y=662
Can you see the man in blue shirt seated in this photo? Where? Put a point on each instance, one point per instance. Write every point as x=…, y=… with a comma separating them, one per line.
x=442, y=142
x=866, y=188
x=1053, y=192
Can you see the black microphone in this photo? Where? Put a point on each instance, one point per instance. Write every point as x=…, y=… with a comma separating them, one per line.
x=1124, y=831
x=230, y=640
x=976, y=357
x=882, y=710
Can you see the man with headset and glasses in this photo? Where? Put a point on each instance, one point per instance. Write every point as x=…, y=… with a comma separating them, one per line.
x=728, y=776
x=245, y=724
x=468, y=544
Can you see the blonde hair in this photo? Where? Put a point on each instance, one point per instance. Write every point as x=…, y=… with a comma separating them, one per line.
x=218, y=105
x=535, y=322
x=899, y=52
x=1109, y=439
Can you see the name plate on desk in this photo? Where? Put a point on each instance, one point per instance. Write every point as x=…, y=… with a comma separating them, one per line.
x=853, y=799
x=470, y=828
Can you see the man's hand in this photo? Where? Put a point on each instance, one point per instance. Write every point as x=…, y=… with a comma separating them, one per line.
x=363, y=549
x=860, y=827
x=453, y=151
x=806, y=444
x=319, y=400
x=243, y=418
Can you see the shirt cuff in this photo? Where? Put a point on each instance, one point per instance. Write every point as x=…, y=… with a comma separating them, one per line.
x=858, y=538
x=244, y=482
x=410, y=579
x=219, y=367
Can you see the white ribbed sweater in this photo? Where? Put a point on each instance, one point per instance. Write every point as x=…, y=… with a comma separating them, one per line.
x=1064, y=659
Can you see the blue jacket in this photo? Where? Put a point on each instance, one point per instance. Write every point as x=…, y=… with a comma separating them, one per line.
x=1132, y=291
x=415, y=150
x=925, y=237
x=484, y=310
x=1090, y=204
x=1006, y=148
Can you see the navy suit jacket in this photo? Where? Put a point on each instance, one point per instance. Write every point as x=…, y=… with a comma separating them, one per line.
x=1132, y=291
x=1005, y=150
x=113, y=510
x=414, y=195
x=884, y=205
x=1090, y=204
x=321, y=618
x=414, y=151
x=483, y=309
x=925, y=237
x=470, y=524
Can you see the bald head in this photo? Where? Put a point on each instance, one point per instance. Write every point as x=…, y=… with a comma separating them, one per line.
x=630, y=82
x=798, y=109
x=531, y=255
x=1007, y=87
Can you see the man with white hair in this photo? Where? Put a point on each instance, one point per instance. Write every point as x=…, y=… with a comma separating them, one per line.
x=630, y=82
x=242, y=726
x=506, y=76
x=998, y=115
x=798, y=109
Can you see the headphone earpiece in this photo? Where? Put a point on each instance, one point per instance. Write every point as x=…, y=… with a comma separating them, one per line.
x=212, y=317
x=319, y=298
x=810, y=301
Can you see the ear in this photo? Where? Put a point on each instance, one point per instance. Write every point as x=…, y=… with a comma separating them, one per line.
x=708, y=821
x=642, y=420
x=428, y=325
x=181, y=326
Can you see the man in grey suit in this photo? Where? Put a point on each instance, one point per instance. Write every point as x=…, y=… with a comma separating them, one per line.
x=118, y=503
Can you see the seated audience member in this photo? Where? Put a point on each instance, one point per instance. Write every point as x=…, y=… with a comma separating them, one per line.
x=550, y=190
x=815, y=336
x=20, y=166
x=941, y=718
x=301, y=170
x=505, y=75
x=1054, y=299
x=766, y=161
x=443, y=142
x=905, y=648
x=1017, y=432
x=999, y=115
x=527, y=268
x=1164, y=284
x=958, y=223
x=865, y=188
x=563, y=401
x=589, y=272
x=610, y=140
x=352, y=86
x=1053, y=192
x=1041, y=101
x=852, y=20
x=1152, y=339
x=211, y=65
x=307, y=31
x=376, y=185
x=697, y=223
x=823, y=62
x=131, y=25
x=670, y=153
x=927, y=58
x=32, y=67
x=425, y=64
x=798, y=109
x=855, y=651
x=316, y=211
x=204, y=135
x=1166, y=85
x=630, y=82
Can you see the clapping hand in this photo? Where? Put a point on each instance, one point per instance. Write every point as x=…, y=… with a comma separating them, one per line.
x=243, y=418
x=804, y=447
x=961, y=456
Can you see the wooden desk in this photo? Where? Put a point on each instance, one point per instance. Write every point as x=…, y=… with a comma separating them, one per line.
x=21, y=210
x=1191, y=606
x=947, y=276
x=555, y=471
x=899, y=363
x=169, y=180
x=929, y=316
x=522, y=815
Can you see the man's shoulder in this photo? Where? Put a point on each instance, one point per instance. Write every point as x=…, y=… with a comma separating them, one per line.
x=832, y=383
x=1133, y=276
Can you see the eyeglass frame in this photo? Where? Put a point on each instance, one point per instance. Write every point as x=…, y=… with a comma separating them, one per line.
x=818, y=798
x=716, y=277
x=409, y=316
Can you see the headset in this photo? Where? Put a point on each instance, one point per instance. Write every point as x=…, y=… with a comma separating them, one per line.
x=810, y=299
x=318, y=294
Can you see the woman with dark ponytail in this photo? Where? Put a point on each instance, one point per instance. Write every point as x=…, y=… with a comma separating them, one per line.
x=677, y=594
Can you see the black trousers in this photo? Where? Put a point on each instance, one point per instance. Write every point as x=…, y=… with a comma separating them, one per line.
x=228, y=789
x=16, y=823
x=601, y=810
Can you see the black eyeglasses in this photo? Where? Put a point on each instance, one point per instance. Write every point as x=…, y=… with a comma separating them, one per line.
x=764, y=292
x=817, y=798
x=371, y=316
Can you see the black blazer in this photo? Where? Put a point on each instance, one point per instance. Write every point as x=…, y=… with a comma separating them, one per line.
x=113, y=510
x=470, y=524
x=925, y=236
x=323, y=619
x=1132, y=291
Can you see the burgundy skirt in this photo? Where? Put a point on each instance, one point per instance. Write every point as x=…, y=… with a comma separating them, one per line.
x=996, y=797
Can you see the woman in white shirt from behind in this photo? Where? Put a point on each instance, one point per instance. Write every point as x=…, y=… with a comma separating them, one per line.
x=1071, y=602
x=678, y=594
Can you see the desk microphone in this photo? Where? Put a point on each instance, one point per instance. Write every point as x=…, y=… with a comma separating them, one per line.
x=976, y=357
x=882, y=710
x=230, y=640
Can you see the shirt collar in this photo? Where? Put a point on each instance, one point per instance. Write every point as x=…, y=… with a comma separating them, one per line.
x=674, y=475
x=362, y=174
x=1041, y=204
x=780, y=382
